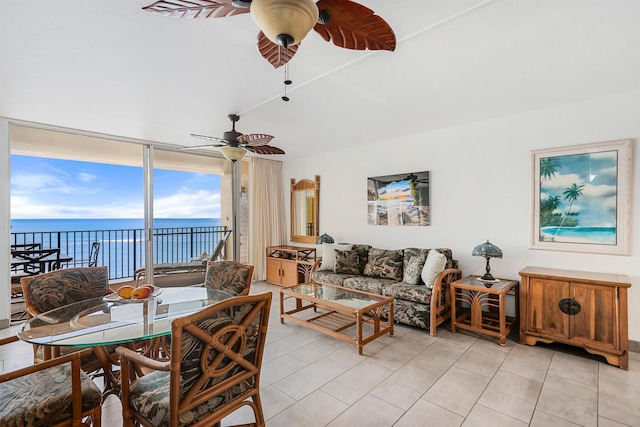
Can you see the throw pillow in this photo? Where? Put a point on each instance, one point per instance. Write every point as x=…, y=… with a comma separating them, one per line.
x=433, y=266
x=413, y=263
x=329, y=255
x=347, y=262
x=384, y=264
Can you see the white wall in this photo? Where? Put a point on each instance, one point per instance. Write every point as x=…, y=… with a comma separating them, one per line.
x=5, y=225
x=480, y=188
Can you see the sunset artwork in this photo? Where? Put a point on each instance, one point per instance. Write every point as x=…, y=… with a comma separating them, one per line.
x=401, y=199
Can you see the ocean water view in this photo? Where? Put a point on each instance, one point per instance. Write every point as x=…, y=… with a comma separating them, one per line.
x=599, y=235
x=86, y=224
x=121, y=241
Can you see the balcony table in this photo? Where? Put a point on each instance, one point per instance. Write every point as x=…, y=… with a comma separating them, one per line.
x=98, y=323
x=36, y=261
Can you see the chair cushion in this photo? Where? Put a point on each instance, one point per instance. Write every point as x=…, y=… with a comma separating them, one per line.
x=149, y=396
x=227, y=277
x=62, y=287
x=44, y=397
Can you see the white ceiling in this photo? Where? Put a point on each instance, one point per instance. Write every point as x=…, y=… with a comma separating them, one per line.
x=107, y=66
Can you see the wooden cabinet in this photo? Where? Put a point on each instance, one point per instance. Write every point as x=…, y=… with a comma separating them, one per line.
x=287, y=265
x=584, y=309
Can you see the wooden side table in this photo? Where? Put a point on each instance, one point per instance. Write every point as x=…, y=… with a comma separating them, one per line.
x=485, y=310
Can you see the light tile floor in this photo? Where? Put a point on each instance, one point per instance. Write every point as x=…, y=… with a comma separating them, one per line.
x=414, y=379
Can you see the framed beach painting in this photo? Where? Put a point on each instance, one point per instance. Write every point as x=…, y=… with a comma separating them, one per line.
x=401, y=199
x=582, y=198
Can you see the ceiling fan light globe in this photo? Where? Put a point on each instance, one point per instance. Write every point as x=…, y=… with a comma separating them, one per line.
x=294, y=18
x=233, y=153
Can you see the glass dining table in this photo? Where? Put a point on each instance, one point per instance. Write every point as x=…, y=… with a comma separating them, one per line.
x=106, y=321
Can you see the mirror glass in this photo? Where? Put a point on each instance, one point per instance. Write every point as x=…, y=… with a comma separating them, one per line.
x=304, y=210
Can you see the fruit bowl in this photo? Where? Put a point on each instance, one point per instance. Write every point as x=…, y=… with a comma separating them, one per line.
x=114, y=297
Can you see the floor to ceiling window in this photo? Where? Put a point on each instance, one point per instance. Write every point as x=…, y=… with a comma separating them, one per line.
x=95, y=184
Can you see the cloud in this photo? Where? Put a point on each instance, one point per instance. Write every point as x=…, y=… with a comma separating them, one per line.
x=86, y=177
x=188, y=204
x=45, y=183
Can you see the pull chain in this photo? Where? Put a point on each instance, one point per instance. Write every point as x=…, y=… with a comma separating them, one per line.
x=287, y=81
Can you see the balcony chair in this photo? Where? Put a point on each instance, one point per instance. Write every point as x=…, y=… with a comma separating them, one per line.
x=58, y=288
x=92, y=261
x=214, y=369
x=229, y=276
x=163, y=272
x=53, y=393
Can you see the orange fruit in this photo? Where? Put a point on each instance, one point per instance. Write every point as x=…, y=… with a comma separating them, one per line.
x=125, y=291
x=141, y=292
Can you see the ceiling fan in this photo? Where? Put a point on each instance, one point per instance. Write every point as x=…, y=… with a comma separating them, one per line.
x=284, y=23
x=234, y=145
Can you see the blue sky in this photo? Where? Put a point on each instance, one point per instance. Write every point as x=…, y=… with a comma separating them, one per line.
x=598, y=173
x=52, y=188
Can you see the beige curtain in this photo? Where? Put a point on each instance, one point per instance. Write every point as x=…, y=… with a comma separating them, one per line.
x=267, y=224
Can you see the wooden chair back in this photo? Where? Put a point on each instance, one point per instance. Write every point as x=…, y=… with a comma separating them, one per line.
x=216, y=358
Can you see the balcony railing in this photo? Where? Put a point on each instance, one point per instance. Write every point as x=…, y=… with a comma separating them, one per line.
x=123, y=251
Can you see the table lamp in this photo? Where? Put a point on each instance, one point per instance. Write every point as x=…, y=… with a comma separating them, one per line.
x=487, y=250
x=325, y=238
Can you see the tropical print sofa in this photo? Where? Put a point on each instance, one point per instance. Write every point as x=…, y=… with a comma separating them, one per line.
x=394, y=273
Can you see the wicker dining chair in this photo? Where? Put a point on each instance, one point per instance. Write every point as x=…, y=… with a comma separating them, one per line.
x=53, y=393
x=47, y=291
x=216, y=358
x=229, y=276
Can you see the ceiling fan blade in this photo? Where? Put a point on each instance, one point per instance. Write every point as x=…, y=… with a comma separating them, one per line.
x=275, y=54
x=353, y=26
x=265, y=149
x=195, y=8
x=210, y=138
x=254, y=139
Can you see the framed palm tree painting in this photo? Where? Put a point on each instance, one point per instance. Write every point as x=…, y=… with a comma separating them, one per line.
x=582, y=198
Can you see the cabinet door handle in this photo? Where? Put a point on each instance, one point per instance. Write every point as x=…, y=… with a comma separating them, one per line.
x=569, y=306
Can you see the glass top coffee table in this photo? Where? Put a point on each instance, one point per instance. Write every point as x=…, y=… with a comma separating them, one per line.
x=334, y=310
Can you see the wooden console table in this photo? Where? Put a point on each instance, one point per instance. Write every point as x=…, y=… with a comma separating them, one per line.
x=289, y=265
x=579, y=308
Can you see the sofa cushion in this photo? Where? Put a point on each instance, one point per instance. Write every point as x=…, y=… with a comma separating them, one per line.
x=363, y=254
x=412, y=267
x=451, y=263
x=329, y=277
x=434, y=265
x=385, y=264
x=367, y=284
x=411, y=313
x=347, y=262
x=404, y=291
x=329, y=255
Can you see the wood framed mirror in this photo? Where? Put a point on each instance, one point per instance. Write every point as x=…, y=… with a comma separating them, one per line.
x=305, y=209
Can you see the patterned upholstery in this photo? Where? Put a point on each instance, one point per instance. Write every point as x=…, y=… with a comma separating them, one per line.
x=57, y=288
x=387, y=273
x=216, y=359
x=42, y=394
x=229, y=276
x=48, y=291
